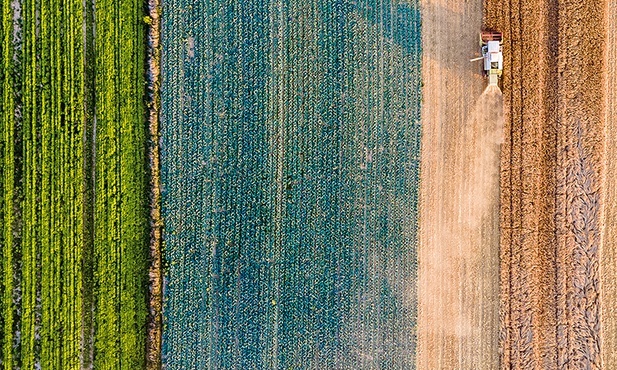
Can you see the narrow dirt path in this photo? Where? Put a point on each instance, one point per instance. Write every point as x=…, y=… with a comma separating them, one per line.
x=459, y=215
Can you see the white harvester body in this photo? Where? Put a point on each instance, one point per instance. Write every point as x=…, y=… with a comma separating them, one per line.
x=493, y=61
x=492, y=56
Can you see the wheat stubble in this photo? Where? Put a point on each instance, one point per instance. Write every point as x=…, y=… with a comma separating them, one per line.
x=458, y=257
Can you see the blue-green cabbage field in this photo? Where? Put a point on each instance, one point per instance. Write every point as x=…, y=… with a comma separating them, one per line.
x=290, y=159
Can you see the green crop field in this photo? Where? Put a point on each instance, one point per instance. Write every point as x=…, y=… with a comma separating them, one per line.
x=120, y=216
x=289, y=169
x=73, y=218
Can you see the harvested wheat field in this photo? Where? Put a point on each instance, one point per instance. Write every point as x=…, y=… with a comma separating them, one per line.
x=459, y=218
x=551, y=253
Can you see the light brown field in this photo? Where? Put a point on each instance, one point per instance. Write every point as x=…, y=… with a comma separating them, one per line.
x=458, y=286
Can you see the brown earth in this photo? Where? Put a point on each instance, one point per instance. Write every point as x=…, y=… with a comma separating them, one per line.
x=458, y=285
x=553, y=163
x=154, y=323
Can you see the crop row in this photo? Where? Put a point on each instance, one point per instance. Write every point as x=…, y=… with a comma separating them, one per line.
x=72, y=188
x=7, y=183
x=42, y=130
x=120, y=221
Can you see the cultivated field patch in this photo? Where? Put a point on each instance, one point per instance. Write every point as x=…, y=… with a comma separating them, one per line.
x=290, y=167
x=72, y=184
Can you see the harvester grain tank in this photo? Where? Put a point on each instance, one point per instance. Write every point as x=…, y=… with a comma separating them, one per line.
x=492, y=56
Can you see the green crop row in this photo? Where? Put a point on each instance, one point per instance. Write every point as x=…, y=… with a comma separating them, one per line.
x=120, y=190
x=73, y=215
x=7, y=170
x=52, y=181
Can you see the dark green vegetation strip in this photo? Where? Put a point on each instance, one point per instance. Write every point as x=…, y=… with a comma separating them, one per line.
x=290, y=154
x=73, y=228
x=120, y=242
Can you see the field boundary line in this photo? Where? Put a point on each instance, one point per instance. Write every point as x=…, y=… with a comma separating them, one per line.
x=155, y=297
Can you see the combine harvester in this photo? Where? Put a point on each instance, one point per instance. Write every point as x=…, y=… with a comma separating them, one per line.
x=490, y=44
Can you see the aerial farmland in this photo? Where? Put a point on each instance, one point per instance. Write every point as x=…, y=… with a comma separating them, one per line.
x=308, y=184
x=74, y=196
x=290, y=162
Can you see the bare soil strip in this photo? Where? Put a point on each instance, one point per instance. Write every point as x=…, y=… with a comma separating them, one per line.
x=155, y=273
x=459, y=215
x=551, y=182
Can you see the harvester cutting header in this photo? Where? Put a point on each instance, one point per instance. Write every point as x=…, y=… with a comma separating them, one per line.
x=490, y=44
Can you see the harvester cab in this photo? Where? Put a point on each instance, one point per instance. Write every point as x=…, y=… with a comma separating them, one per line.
x=492, y=56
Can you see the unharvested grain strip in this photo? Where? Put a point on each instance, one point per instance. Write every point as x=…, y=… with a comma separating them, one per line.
x=509, y=20
x=550, y=291
x=506, y=201
x=540, y=194
x=499, y=16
